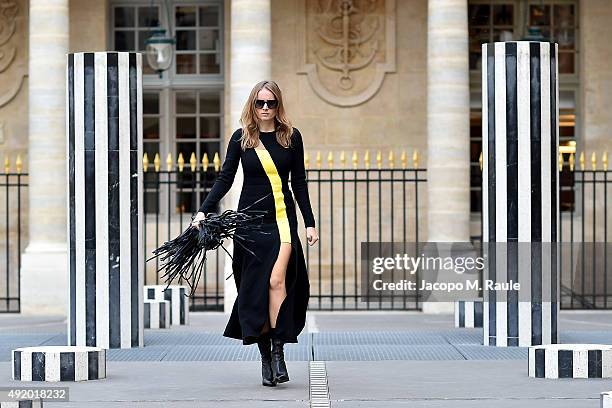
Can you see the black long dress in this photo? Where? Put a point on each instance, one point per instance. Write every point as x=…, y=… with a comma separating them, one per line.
x=266, y=174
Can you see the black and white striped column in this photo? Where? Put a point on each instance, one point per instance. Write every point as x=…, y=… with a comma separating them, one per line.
x=520, y=189
x=605, y=399
x=59, y=363
x=156, y=314
x=468, y=313
x=22, y=404
x=177, y=296
x=570, y=361
x=105, y=206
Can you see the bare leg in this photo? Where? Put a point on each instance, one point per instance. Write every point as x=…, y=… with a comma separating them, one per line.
x=278, y=292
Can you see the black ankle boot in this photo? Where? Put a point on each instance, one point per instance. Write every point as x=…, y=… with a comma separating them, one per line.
x=279, y=368
x=267, y=376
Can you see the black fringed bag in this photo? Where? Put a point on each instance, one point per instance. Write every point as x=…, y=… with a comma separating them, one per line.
x=183, y=257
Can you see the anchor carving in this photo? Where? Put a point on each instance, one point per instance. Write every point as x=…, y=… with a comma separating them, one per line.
x=347, y=41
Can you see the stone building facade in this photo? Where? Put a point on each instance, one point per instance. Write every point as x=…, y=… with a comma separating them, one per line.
x=400, y=75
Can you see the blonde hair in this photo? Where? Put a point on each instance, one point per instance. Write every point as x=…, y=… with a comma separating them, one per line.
x=250, y=122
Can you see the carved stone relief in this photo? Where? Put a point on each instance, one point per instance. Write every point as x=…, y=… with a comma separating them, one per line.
x=8, y=49
x=346, y=47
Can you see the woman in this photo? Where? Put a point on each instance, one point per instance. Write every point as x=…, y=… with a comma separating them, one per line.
x=273, y=287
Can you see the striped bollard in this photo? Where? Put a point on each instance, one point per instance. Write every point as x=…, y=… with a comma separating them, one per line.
x=605, y=399
x=105, y=206
x=22, y=403
x=177, y=296
x=156, y=314
x=468, y=313
x=59, y=363
x=520, y=189
x=570, y=361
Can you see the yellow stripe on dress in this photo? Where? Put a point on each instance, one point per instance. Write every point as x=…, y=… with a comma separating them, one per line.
x=277, y=191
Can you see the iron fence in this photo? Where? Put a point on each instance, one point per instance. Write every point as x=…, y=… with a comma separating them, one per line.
x=351, y=206
x=12, y=187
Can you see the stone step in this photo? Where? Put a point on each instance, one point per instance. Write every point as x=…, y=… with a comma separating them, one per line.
x=570, y=361
x=59, y=363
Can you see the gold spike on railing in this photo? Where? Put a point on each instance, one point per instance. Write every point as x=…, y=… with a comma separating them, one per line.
x=193, y=162
x=169, y=162
x=480, y=162
x=594, y=161
x=355, y=159
x=604, y=159
x=342, y=159
x=404, y=159
x=7, y=165
x=415, y=159
x=391, y=159
x=205, y=162
x=157, y=162
x=581, y=160
x=307, y=160
x=560, y=162
x=19, y=164
x=572, y=161
x=319, y=160
x=145, y=162
x=217, y=161
x=330, y=160
x=366, y=158
x=379, y=159
x=181, y=162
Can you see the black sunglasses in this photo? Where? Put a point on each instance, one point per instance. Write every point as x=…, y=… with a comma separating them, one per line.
x=272, y=104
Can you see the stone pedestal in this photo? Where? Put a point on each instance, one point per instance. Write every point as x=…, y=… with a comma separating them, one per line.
x=520, y=191
x=105, y=199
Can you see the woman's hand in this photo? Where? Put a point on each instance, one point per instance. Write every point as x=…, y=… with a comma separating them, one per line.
x=312, y=235
x=196, y=220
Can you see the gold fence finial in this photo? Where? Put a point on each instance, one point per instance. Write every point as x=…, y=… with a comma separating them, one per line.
x=604, y=159
x=19, y=164
x=330, y=160
x=217, y=161
x=181, y=162
x=379, y=159
x=169, y=162
x=391, y=159
x=157, y=162
x=355, y=159
x=594, y=161
x=480, y=161
x=572, y=161
x=404, y=159
x=342, y=159
x=205, y=162
x=366, y=159
x=560, y=162
x=145, y=162
x=415, y=159
x=307, y=160
x=581, y=160
x=319, y=159
x=193, y=162
x=7, y=164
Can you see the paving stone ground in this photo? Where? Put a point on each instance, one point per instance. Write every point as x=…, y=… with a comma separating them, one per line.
x=373, y=359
